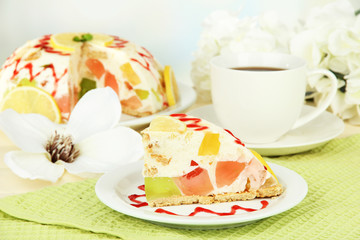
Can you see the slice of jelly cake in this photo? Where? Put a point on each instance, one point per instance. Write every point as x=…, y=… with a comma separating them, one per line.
x=189, y=160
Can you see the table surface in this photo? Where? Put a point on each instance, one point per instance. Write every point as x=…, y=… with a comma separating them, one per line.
x=11, y=184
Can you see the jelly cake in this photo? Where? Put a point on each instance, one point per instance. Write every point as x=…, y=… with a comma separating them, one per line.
x=189, y=160
x=67, y=65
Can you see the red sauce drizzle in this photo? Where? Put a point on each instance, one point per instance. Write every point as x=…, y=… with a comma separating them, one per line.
x=145, y=57
x=118, y=43
x=178, y=115
x=138, y=203
x=197, y=210
x=193, y=122
x=236, y=139
x=134, y=198
x=29, y=67
x=160, y=210
x=233, y=210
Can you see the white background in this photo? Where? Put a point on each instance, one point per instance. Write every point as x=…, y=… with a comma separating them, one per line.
x=169, y=29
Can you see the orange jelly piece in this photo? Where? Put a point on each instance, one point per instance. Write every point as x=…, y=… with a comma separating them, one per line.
x=110, y=81
x=210, y=144
x=227, y=172
x=196, y=182
x=133, y=102
x=96, y=67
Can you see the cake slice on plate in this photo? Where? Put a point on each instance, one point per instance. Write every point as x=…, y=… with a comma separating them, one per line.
x=189, y=160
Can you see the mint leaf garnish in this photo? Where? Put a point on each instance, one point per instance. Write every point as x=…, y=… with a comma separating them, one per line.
x=87, y=37
x=84, y=38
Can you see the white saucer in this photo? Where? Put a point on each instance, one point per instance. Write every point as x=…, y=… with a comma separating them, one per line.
x=187, y=98
x=115, y=187
x=314, y=134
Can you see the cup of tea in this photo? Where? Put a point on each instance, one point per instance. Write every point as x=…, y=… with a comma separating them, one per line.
x=259, y=96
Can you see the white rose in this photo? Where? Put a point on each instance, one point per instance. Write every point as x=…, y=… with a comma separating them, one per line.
x=305, y=45
x=343, y=110
x=338, y=64
x=353, y=61
x=280, y=28
x=335, y=14
x=255, y=40
x=352, y=95
x=343, y=41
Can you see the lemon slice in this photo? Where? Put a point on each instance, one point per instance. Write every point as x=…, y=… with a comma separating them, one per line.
x=27, y=99
x=167, y=124
x=258, y=156
x=170, y=86
x=102, y=39
x=65, y=41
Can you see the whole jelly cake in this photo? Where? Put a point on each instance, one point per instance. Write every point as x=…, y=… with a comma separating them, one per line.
x=67, y=65
x=189, y=160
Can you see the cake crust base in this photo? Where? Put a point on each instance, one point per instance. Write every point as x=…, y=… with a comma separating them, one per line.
x=271, y=191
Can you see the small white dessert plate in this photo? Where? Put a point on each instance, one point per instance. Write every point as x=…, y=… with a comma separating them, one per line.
x=314, y=134
x=187, y=98
x=116, y=189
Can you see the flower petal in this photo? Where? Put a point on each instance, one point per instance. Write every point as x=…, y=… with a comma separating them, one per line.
x=33, y=166
x=304, y=45
x=84, y=164
x=27, y=131
x=97, y=110
x=106, y=150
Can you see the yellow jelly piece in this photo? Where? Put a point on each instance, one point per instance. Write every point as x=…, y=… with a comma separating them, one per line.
x=130, y=74
x=167, y=124
x=142, y=94
x=210, y=144
x=170, y=86
x=258, y=156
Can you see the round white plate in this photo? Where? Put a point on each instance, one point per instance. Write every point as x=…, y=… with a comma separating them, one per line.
x=114, y=188
x=314, y=134
x=187, y=98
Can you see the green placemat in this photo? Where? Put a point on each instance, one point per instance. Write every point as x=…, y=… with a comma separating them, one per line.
x=331, y=210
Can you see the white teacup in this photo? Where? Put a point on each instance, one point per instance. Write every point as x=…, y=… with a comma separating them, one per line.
x=260, y=104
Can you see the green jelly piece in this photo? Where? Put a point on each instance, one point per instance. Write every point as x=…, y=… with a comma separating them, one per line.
x=160, y=187
x=86, y=85
x=142, y=94
x=27, y=82
x=156, y=95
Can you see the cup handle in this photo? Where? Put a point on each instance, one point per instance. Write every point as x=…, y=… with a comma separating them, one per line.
x=325, y=104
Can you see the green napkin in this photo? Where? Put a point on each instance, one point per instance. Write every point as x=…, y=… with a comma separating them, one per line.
x=331, y=210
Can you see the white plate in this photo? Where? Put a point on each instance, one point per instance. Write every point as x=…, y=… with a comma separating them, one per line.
x=187, y=98
x=314, y=134
x=113, y=189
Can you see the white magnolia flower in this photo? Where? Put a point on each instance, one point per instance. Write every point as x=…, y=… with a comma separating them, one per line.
x=91, y=141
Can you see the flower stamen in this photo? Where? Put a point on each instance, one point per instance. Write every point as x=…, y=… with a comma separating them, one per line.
x=61, y=147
